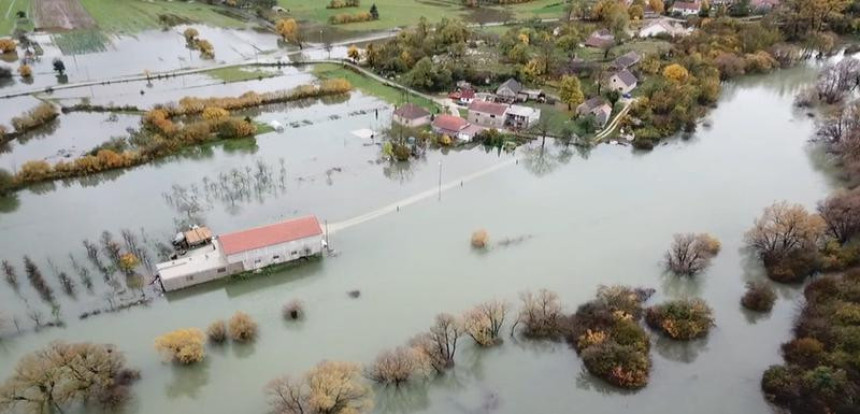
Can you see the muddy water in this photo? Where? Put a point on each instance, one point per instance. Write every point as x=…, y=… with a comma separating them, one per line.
x=590, y=218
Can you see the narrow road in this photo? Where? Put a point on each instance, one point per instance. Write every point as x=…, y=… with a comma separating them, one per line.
x=615, y=121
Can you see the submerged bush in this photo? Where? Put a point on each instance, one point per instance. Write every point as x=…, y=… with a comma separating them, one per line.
x=242, y=328
x=294, y=310
x=480, y=238
x=759, y=297
x=217, y=332
x=683, y=319
x=184, y=346
x=35, y=117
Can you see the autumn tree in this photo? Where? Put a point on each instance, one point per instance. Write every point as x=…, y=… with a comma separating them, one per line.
x=540, y=314
x=571, y=91
x=25, y=71
x=184, y=346
x=329, y=388
x=190, y=35
x=398, y=366
x=64, y=374
x=786, y=238
x=440, y=343
x=691, y=253
x=213, y=113
x=242, y=328
x=657, y=6
x=676, y=73
x=207, y=51
x=479, y=239
x=217, y=332
x=841, y=214
x=289, y=31
x=127, y=263
x=484, y=322
x=353, y=53
x=7, y=45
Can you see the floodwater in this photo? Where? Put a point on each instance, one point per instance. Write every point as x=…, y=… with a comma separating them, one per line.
x=602, y=217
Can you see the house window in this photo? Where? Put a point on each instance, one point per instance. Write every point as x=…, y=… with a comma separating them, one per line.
x=492, y=116
x=294, y=253
x=222, y=270
x=276, y=257
x=256, y=260
x=190, y=278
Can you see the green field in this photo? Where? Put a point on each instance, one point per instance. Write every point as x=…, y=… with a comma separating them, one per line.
x=8, y=18
x=398, y=13
x=133, y=16
x=239, y=74
x=369, y=86
x=79, y=42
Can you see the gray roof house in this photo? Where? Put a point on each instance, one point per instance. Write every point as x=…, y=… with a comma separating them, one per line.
x=626, y=61
x=598, y=107
x=509, y=90
x=623, y=81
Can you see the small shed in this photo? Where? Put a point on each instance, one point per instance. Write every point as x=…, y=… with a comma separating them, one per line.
x=411, y=115
x=509, y=90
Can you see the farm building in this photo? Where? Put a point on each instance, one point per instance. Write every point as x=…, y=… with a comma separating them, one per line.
x=509, y=90
x=411, y=115
x=276, y=243
x=245, y=250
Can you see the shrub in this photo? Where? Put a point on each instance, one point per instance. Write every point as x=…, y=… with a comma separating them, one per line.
x=345, y=18
x=7, y=182
x=619, y=365
x=540, y=315
x=480, y=239
x=759, y=297
x=7, y=46
x=339, y=4
x=691, y=253
x=242, y=328
x=398, y=366
x=803, y=351
x=217, y=332
x=294, y=310
x=184, y=346
x=683, y=319
x=781, y=384
x=35, y=117
x=25, y=71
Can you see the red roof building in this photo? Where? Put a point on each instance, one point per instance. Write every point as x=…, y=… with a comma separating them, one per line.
x=271, y=235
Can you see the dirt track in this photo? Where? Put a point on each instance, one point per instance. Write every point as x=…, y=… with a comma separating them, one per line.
x=62, y=14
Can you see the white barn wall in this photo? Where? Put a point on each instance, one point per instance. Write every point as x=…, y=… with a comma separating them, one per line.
x=284, y=251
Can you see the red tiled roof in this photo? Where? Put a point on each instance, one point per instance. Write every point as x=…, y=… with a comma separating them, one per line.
x=285, y=231
x=449, y=122
x=411, y=111
x=467, y=94
x=686, y=5
x=488, y=107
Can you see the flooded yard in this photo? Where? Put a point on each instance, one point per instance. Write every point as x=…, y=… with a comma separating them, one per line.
x=585, y=218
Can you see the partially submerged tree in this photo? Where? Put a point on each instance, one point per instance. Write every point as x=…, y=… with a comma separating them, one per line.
x=294, y=310
x=484, y=322
x=11, y=275
x=691, y=253
x=184, y=346
x=34, y=275
x=480, y=238
x=841, y=213
x=329, y=388
x=540, y=315
x=289, y=31
x=217, y=332
x=398, y=366
x=759, y=297
x=242, y=328
x=440, y=343
x=64, y=374
x=786, y=238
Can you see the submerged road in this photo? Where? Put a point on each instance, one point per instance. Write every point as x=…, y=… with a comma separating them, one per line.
x=429, y=193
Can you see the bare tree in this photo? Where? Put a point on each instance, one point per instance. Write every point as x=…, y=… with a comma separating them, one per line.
x=329, y=388
x=841, y=214
x=11, y=275
x=398, y=366
x=838, y=125
x=691, y=253
x=440, y=343
x=540, y=314
x=783, y=229
x=484, y=322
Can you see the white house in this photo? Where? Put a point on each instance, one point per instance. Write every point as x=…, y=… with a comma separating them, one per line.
x=663, y=27
x=522, y=117
x=686, y=8
x=488, y=114
x=623, y=81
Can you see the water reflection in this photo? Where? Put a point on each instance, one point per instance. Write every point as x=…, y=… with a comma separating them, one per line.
x=682, y=286
x=243, y=350
x=542, y=159
x=680, y=351
x=188, y=381
x=586, y=381
x=408, y=398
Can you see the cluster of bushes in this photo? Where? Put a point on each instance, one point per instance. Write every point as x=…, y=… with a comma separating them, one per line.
x=607, y=335
x=192, y=37
x=196, y=106
x=759, y=297
x=821, y=373
x=187, y=346
x=35, y=118
x=683, y=319
x=344, y=18
x=340, y=4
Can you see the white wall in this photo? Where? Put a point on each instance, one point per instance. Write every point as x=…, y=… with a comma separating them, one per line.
x=279, y=253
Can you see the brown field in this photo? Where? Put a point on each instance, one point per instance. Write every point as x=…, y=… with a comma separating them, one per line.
x=61, y=14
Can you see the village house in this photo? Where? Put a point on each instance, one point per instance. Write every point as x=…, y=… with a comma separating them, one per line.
x=623, y=82
x=521, y=117
x=597, y=107
x=509, y=91
x=626, y=61
x=455, y=127
x=467, y=96
x=686, y=8
x=663, y=27
x=242, y=251
x=411, y=115
x=488, y=114
x=600, y=39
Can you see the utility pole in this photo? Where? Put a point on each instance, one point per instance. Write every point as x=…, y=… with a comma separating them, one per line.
x=440, y=180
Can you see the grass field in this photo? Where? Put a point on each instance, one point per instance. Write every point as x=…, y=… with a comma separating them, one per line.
x=369, y=86
x=132, y=16
x=396, y=13
x=8, y=11
x=79, y=42
x=239, y=74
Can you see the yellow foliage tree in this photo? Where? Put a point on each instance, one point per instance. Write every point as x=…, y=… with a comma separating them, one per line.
x=25, y=71
x=329, y=388
x=7, y=45
x=676, y=73
x=289, y=30
x=214, y=113
x=657, y=6
x=184, y=345
x=128, y=262
x=206, y=49
x=242, y=328
x=190, y=34
x=353, y=53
